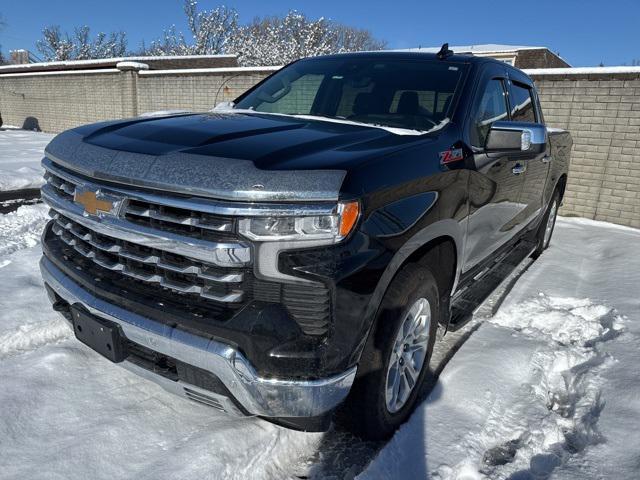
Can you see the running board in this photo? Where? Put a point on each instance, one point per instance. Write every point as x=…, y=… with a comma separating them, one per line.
x=497, y=279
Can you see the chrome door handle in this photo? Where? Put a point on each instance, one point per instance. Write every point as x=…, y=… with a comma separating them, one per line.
x=518, y=169
x=547, y=159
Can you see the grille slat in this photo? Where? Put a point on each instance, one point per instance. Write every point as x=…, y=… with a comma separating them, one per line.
x=193, y=219
x=202, y=398
x=190, y=223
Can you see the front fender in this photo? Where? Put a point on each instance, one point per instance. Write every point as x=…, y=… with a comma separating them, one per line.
x=441, y=229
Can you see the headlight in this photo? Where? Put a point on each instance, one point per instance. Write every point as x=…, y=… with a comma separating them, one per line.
x=331, y=228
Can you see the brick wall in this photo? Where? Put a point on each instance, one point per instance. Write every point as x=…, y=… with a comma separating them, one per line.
x=601, y=109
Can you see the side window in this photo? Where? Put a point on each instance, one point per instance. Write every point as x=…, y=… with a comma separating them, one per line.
x=492, y=107
x=522, y=104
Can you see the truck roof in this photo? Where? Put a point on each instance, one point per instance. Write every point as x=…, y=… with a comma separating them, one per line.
x=388, y=54
x=423, y=55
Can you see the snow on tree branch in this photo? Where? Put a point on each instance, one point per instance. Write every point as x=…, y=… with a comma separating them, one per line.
x=264, y=41
x=55, y=46
x=210, y=32
x=280, y=40
x=272, y=40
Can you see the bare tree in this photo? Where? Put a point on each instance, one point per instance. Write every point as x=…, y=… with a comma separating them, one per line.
x=56, y=46
x=280, y=40
x=210, y=32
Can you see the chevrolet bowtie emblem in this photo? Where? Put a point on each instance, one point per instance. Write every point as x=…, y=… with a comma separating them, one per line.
x=91, y=203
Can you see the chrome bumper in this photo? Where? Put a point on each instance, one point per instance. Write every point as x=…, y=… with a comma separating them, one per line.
x=258, y=396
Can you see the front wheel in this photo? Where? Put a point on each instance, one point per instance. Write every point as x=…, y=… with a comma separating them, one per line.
x=545, y=231
x=395, y=361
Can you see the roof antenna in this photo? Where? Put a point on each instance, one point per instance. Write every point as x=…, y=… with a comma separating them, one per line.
x=444, y=52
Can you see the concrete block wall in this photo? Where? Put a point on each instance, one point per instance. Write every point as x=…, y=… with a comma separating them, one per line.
x=59, y=100
x=601, y=109
x=194, y=90
x=54, y=102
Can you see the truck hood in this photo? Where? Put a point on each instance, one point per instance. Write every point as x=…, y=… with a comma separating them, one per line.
x=226, y=156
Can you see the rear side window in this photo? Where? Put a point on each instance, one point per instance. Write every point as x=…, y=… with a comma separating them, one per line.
x=522, y=105
x=492, y=108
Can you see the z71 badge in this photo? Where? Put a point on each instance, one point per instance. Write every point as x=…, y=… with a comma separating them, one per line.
x=452, y=155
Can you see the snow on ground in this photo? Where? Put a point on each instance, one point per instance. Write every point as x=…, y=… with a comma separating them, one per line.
x=546, y=387
x=21, y=229
x=20, y=155
x=68, y=413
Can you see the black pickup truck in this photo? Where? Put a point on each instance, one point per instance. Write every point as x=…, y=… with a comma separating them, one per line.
x=293, y=253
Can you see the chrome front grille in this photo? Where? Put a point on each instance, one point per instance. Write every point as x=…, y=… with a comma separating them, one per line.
x=185, y=251
x=66, y=189
x=171, y=249
x=163, y=217
x=149, y=265
x=157, y=224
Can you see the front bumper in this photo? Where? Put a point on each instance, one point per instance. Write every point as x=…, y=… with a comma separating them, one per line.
x=265, y=397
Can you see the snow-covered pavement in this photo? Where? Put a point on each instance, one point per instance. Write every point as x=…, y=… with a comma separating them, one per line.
x=20, y=155
x=549, y=386
x=546, y=387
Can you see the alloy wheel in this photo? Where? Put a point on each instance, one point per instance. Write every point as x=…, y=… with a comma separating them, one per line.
x=408, y=355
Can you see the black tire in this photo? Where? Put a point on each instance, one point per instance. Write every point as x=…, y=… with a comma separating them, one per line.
x=541, y=243
x=365, y=412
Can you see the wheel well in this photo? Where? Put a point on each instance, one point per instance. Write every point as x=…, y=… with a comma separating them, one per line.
x=440, y=256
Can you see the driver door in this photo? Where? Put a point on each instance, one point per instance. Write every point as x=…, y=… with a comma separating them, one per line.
x=495, y=185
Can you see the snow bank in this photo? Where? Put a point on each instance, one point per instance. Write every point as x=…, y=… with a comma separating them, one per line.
x=22, y=228
x=20, y=155
x=33, y=335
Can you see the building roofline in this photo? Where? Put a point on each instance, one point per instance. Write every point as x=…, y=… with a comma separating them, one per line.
x=103, y=62
x=582, y=70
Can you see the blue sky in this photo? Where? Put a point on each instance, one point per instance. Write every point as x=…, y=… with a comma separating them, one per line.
x=584, y=32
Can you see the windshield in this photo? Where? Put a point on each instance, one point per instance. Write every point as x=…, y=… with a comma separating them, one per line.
x=401, y=93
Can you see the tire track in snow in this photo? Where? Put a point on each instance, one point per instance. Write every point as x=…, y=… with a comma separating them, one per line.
x=558, y=409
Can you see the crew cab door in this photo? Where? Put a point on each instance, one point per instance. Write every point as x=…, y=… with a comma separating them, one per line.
x=525, y=109
x=496, y=182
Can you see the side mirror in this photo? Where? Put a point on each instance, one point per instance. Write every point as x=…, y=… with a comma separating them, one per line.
x=516, y=137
